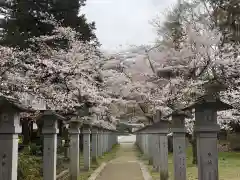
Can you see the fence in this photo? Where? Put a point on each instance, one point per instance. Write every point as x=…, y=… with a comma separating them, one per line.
x=102, y=141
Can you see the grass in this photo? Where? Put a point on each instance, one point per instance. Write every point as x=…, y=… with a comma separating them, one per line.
x=84, y=175
x=30, y=167
x=229, y=166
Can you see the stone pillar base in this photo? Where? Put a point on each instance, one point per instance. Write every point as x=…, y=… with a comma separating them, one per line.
x=164, y=175
x=150, y=161
x=155, y=169
x=94, y=160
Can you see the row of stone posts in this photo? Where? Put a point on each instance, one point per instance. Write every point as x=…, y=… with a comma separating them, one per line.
x=153, y=142
x=103, y=140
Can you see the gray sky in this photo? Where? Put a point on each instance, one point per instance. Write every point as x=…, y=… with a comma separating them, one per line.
x=125, y=22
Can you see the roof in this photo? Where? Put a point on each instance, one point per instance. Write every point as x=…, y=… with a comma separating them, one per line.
x=209, y=102
x=7, y=102
x=179, y=112
x=52, y=113
x=157, y=125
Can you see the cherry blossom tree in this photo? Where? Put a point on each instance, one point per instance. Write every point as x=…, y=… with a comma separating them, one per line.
x=63, y=79
x=167, y=77
x=201, y=56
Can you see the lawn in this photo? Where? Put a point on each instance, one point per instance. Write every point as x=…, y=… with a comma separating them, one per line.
x=229, y=166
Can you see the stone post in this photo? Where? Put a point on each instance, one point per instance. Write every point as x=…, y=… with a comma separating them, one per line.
x=137, y=140
x=141, y=134
x=50, y=131
x=116, y=137
x=9, y=130
x=110, y=139
x=147, y=144
x=86, y=148
x=155, y=151
x=103, y=141
x=150, y=136
x=106, y=141
x=206, y=129
x=144, y=143
x=163, y=145
x=179, y=145
x=94, y=144
x=74, y=132
x=160, y=130
x=99, y=142
x=150, y=148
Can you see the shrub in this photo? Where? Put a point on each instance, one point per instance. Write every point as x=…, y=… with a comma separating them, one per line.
x=34, y=149
x=234, y=142
x=29, y=167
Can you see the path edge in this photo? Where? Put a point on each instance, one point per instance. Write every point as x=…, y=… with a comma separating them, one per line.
x=145, y=173
x=96, y=173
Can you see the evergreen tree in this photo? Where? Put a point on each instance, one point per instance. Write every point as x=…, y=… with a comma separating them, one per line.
x=67, y=11
x=24, y=19
x=226, y=14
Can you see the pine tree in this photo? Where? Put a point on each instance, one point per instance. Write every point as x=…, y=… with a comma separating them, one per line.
x=226, y=14
x=24, y=19
x=68, y=11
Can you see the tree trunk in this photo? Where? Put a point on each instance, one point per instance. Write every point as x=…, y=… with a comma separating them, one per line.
x=66, y=142
x=26, y=132
x=194, y=148
x=81, y=140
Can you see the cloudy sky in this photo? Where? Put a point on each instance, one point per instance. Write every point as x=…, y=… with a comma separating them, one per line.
x=121, y=23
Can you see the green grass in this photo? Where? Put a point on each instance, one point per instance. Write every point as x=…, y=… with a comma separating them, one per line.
x=84, y=175
x=229, y=166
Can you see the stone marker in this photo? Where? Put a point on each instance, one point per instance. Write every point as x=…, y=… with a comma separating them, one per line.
x=206, y=129
x=50, y=130
x=86, y=148
x=161, y=129
x=179, y=144
x=9, y=130
x=94, y=144
x=74, y=132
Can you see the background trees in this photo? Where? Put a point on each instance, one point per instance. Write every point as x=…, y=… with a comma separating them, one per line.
x=190, y=50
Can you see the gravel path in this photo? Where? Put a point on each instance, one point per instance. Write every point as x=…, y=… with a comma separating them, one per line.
x=125, y=166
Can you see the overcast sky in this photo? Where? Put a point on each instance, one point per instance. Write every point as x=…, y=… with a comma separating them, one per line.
x=125, y=22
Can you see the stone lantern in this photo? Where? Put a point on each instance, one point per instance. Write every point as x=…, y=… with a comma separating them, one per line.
x=74, y=131
x=161, y=129
x=86, y=146
x=10, y=110
x=146, y=145
x=99, y=139
x=49, y=120
x=206, y=129
x=94, y=153
x=179, y=143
